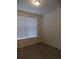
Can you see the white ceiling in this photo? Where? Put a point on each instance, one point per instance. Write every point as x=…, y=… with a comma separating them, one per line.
x=45, y=7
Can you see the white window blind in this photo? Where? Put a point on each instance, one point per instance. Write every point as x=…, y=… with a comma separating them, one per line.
x=26, y=27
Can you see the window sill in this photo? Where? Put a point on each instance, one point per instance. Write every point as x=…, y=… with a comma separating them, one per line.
x=26, y=38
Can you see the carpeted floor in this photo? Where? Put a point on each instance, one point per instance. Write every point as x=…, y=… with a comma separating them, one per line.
x=38, y=51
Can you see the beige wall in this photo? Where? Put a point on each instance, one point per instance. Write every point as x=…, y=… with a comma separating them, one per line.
x=30, y=41
x=52, y=28
x=27, y=42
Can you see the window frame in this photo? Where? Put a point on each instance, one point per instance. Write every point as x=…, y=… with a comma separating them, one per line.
x=37, y=29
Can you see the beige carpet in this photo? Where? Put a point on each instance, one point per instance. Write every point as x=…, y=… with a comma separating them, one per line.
x=38, y=51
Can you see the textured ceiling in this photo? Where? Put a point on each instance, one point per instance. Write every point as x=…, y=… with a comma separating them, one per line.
x=45, y=7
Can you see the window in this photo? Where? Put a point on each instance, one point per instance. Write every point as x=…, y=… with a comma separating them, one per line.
x=26, y=27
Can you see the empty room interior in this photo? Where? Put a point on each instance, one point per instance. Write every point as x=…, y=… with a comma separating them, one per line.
x=38, y=29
